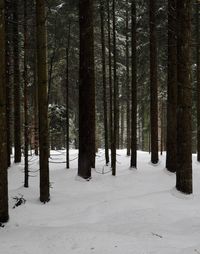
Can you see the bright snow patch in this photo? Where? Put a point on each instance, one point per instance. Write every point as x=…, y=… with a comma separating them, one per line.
x=136, y=212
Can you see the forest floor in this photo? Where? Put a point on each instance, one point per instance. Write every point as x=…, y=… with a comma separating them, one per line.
x=136, y=212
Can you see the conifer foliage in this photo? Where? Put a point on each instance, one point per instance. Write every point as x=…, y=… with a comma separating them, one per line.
x=91, y=75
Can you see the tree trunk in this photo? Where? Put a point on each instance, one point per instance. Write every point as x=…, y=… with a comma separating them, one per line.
x=198, y=80
x=122, y=126
x=134, y=90
x=128, y=125
x=86, y=90
x=42, y=71
x=102, y=12
x=3, y=138
x=184, y=100
x=153, y=82
x=162, y=127
x=7, y=78
x=110, y=76
x=26, y=123
x=36, y=129
x=67, y=96
x=116, y=122
x=17, y=92
x=172, y=88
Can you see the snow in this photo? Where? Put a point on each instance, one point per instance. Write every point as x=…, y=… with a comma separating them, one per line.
x=136, y=212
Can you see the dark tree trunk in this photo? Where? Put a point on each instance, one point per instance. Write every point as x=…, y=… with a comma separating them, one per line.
x=17, y=96
x=198, y=80
x=110, y=77
x=86, y=90
x=51, y=64
x=26, y=127
x=172, y=88
x=162, y=127
x=134, y=89
x=42, y=72
x=36, y=127
x=3, y=138
x=122, y=125
x=128, y=125
x=116, y=123
x=67, y=95
x=35, y=99
x=184, y=100
x=102, y=12
x=153, y=82
x=8, y=7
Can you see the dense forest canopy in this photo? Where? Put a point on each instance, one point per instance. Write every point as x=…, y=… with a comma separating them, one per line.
x=98, y=74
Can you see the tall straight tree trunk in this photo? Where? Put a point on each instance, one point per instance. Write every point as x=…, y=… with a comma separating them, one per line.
x=67, y=95
x=36, y=128
x=184, y=100
x=42, y=71
x=128, y=125
x=116, y=123
x=134, y=89
x=17, y=96
x=7, y=78
x=122, y=126
x=172, y=88
x=26, y=127
x=102, y=12
x=86, y=90
x=35, y=100
x=198, y=79
x=110, y=75
x=3, y=138
x=153, y=82
x=162, y=127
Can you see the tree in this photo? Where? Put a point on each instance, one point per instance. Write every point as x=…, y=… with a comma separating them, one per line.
x=153, y=82
x=17, y=90
x=115, y=94
x=134, y=90
x=8, y=11
x=3, y=138
x=128, y=125
x=172, y=88
x=184, y=100
x=67, y=95
x=86, y=90
x=110, y=76
x=26, y=124
x=42, y=72
x=35, y=90
x=102, y=13
x=198, y=80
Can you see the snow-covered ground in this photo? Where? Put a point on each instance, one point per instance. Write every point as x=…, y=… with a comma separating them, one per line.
x=136, y=212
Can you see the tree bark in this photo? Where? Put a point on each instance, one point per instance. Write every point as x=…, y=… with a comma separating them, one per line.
x=184, y=100
x=153, y=82
x=110, y=76
x=115, y=93
x=128, y=99
x=102, y=13
x=3, y=128
x=134, y=89
x=17, y=92
x=26, y=123
x=198, y=80
x=7, y=78
x=172, y=88
x=42, y=71
x=36, y=125
x=86, y=90
x=67, y=95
